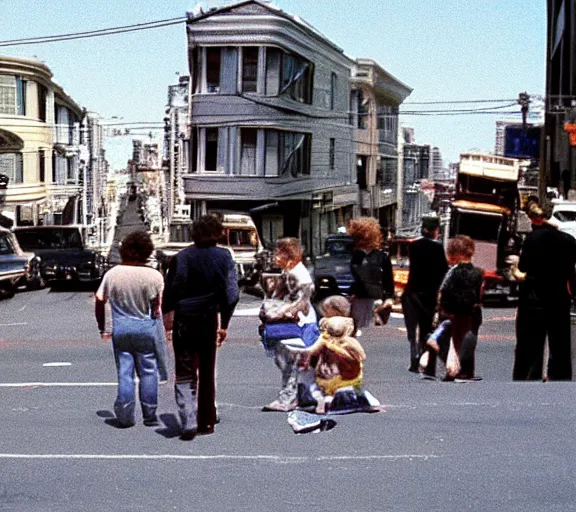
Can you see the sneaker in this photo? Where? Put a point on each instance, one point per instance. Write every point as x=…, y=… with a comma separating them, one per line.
x=188, y=434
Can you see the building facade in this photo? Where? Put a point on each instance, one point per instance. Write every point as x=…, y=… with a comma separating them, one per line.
x=270, y=130
x=374, y=100
x=45, y=147
x=559, y=155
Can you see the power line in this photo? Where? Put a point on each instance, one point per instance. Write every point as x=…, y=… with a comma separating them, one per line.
x=438, y=102
x=93, y=33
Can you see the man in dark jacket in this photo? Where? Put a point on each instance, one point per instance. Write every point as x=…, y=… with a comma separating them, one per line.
x=428, y=266
x=546, y=272
x=201, y=293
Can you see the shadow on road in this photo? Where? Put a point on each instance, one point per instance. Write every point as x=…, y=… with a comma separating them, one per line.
x=171, y=426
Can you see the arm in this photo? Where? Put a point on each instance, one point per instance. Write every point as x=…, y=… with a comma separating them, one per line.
x=229, y=295
x=100, y=312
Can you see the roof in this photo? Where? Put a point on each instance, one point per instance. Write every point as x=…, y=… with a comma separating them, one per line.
x=272, y=8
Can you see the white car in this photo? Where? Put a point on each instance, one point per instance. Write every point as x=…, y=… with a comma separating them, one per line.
x=564, y=216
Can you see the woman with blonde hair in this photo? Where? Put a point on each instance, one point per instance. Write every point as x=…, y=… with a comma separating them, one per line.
x=371, y=269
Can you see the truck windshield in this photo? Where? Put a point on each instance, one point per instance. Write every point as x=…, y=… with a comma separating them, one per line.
x=485, y=228
x=181, y=233
x=237, y=237
x=49, y=238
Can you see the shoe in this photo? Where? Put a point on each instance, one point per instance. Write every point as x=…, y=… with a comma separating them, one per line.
x=188, y=434
x=413, y=368
x=428, y=376
x=205, y=430
x=151, y=422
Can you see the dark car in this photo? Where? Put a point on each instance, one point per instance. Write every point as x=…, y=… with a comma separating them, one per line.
x=332, y=273
x=13, y=263
x=62, y=254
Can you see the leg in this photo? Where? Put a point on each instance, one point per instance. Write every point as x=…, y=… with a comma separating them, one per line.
x=425, y=319
x=147, y=370
x=125, y=400
x=530, y=338
x=560, y=361
x=411, y=322
x=206, y=350
x=186, y=366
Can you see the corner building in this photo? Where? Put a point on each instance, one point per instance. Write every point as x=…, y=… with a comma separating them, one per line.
x=270, y=132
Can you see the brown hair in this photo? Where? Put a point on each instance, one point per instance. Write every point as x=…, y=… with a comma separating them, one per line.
x=461, y=245
x=137, y=247
x=207, y=229
x=291, y=248
x=366, y=233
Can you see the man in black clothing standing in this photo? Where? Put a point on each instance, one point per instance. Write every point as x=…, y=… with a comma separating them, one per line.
x=547, y=281
x=201, y=293
x=428, y=265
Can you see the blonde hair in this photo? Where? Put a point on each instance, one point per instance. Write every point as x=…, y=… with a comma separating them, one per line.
x=338, y=304
x=366, y=233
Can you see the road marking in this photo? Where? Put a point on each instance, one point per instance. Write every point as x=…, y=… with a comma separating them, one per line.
x=19, y=323
x=247, y=312
x=265, y=458
x=57, y=364
x=54, y=384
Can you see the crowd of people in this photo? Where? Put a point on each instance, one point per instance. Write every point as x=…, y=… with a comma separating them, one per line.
x=316, y=346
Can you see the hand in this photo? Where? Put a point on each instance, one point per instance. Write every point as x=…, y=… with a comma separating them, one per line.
x=221, y=336
x=169, y=336
x=105, y=336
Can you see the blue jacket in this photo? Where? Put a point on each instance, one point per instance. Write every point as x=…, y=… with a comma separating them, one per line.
x=199, y=280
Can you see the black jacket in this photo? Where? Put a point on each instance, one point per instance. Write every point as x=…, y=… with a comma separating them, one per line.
x=548, y=258
x=387, y=277
x=428, y=266
x=201, y=279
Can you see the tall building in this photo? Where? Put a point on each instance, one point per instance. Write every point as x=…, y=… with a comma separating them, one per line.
x=374, y=101
x=560, y=94
x=44, y=147
x=269, y=124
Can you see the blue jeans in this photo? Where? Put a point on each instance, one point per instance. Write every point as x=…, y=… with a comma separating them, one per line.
x=147, y=370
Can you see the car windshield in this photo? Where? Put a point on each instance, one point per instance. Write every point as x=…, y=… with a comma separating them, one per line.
x=49, y=238
x=339, y=247
x=565, y=215
x=236, y=237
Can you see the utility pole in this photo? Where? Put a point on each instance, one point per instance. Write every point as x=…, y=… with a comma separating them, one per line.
x=524, y=102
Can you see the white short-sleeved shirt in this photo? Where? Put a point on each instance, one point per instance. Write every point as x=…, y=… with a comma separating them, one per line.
x=130, y=289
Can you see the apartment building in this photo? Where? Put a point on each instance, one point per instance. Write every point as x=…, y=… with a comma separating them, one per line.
x=374, y=100
x=43, y=150
x=270, y=132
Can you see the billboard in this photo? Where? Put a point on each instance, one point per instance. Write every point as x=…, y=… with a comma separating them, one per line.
x=522, y=143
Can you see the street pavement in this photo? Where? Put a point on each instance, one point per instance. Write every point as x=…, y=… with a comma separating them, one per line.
x=488, y=445
x=493, y=445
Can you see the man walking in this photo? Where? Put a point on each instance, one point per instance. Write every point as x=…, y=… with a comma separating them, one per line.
x=199, y=298
x=547, y=280
x=428, y=265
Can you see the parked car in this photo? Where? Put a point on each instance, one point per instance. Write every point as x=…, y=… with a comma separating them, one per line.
x=13, y=263
x=564, y=216
x=61, y=253
x=332, y=274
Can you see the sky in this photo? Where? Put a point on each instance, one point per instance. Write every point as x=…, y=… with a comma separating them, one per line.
x=445, y=50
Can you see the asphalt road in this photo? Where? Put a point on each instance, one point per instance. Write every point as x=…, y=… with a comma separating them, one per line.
x=489, y=445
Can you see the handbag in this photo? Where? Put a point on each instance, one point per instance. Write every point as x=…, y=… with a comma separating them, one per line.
x=275, y=332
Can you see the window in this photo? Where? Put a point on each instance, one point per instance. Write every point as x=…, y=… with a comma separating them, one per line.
x=361, y=168
x=333, y=85
x=7, y=94
x=287, y=153
x=363, y=110
x=332, y=153
x=248, y=137
x=211, y=153
x=42, y=166
x=11, y=164
x=5, y=245
x=21, y=95
x=70, y=171
x=213, y=58
x=289, y=75
x=249, y=69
